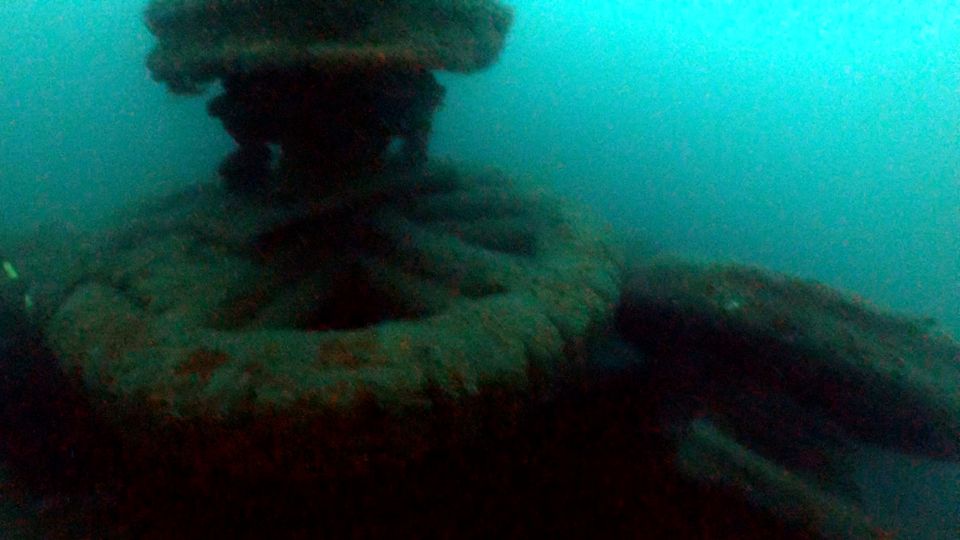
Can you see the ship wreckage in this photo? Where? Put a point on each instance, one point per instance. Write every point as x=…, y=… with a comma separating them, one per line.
x=342, y=337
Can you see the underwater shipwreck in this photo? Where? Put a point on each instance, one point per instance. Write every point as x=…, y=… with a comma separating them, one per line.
x=345, y=338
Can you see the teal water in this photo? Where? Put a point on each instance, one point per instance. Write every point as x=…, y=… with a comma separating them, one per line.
x=819, y=138
x=816, y=138
x=811, y=138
